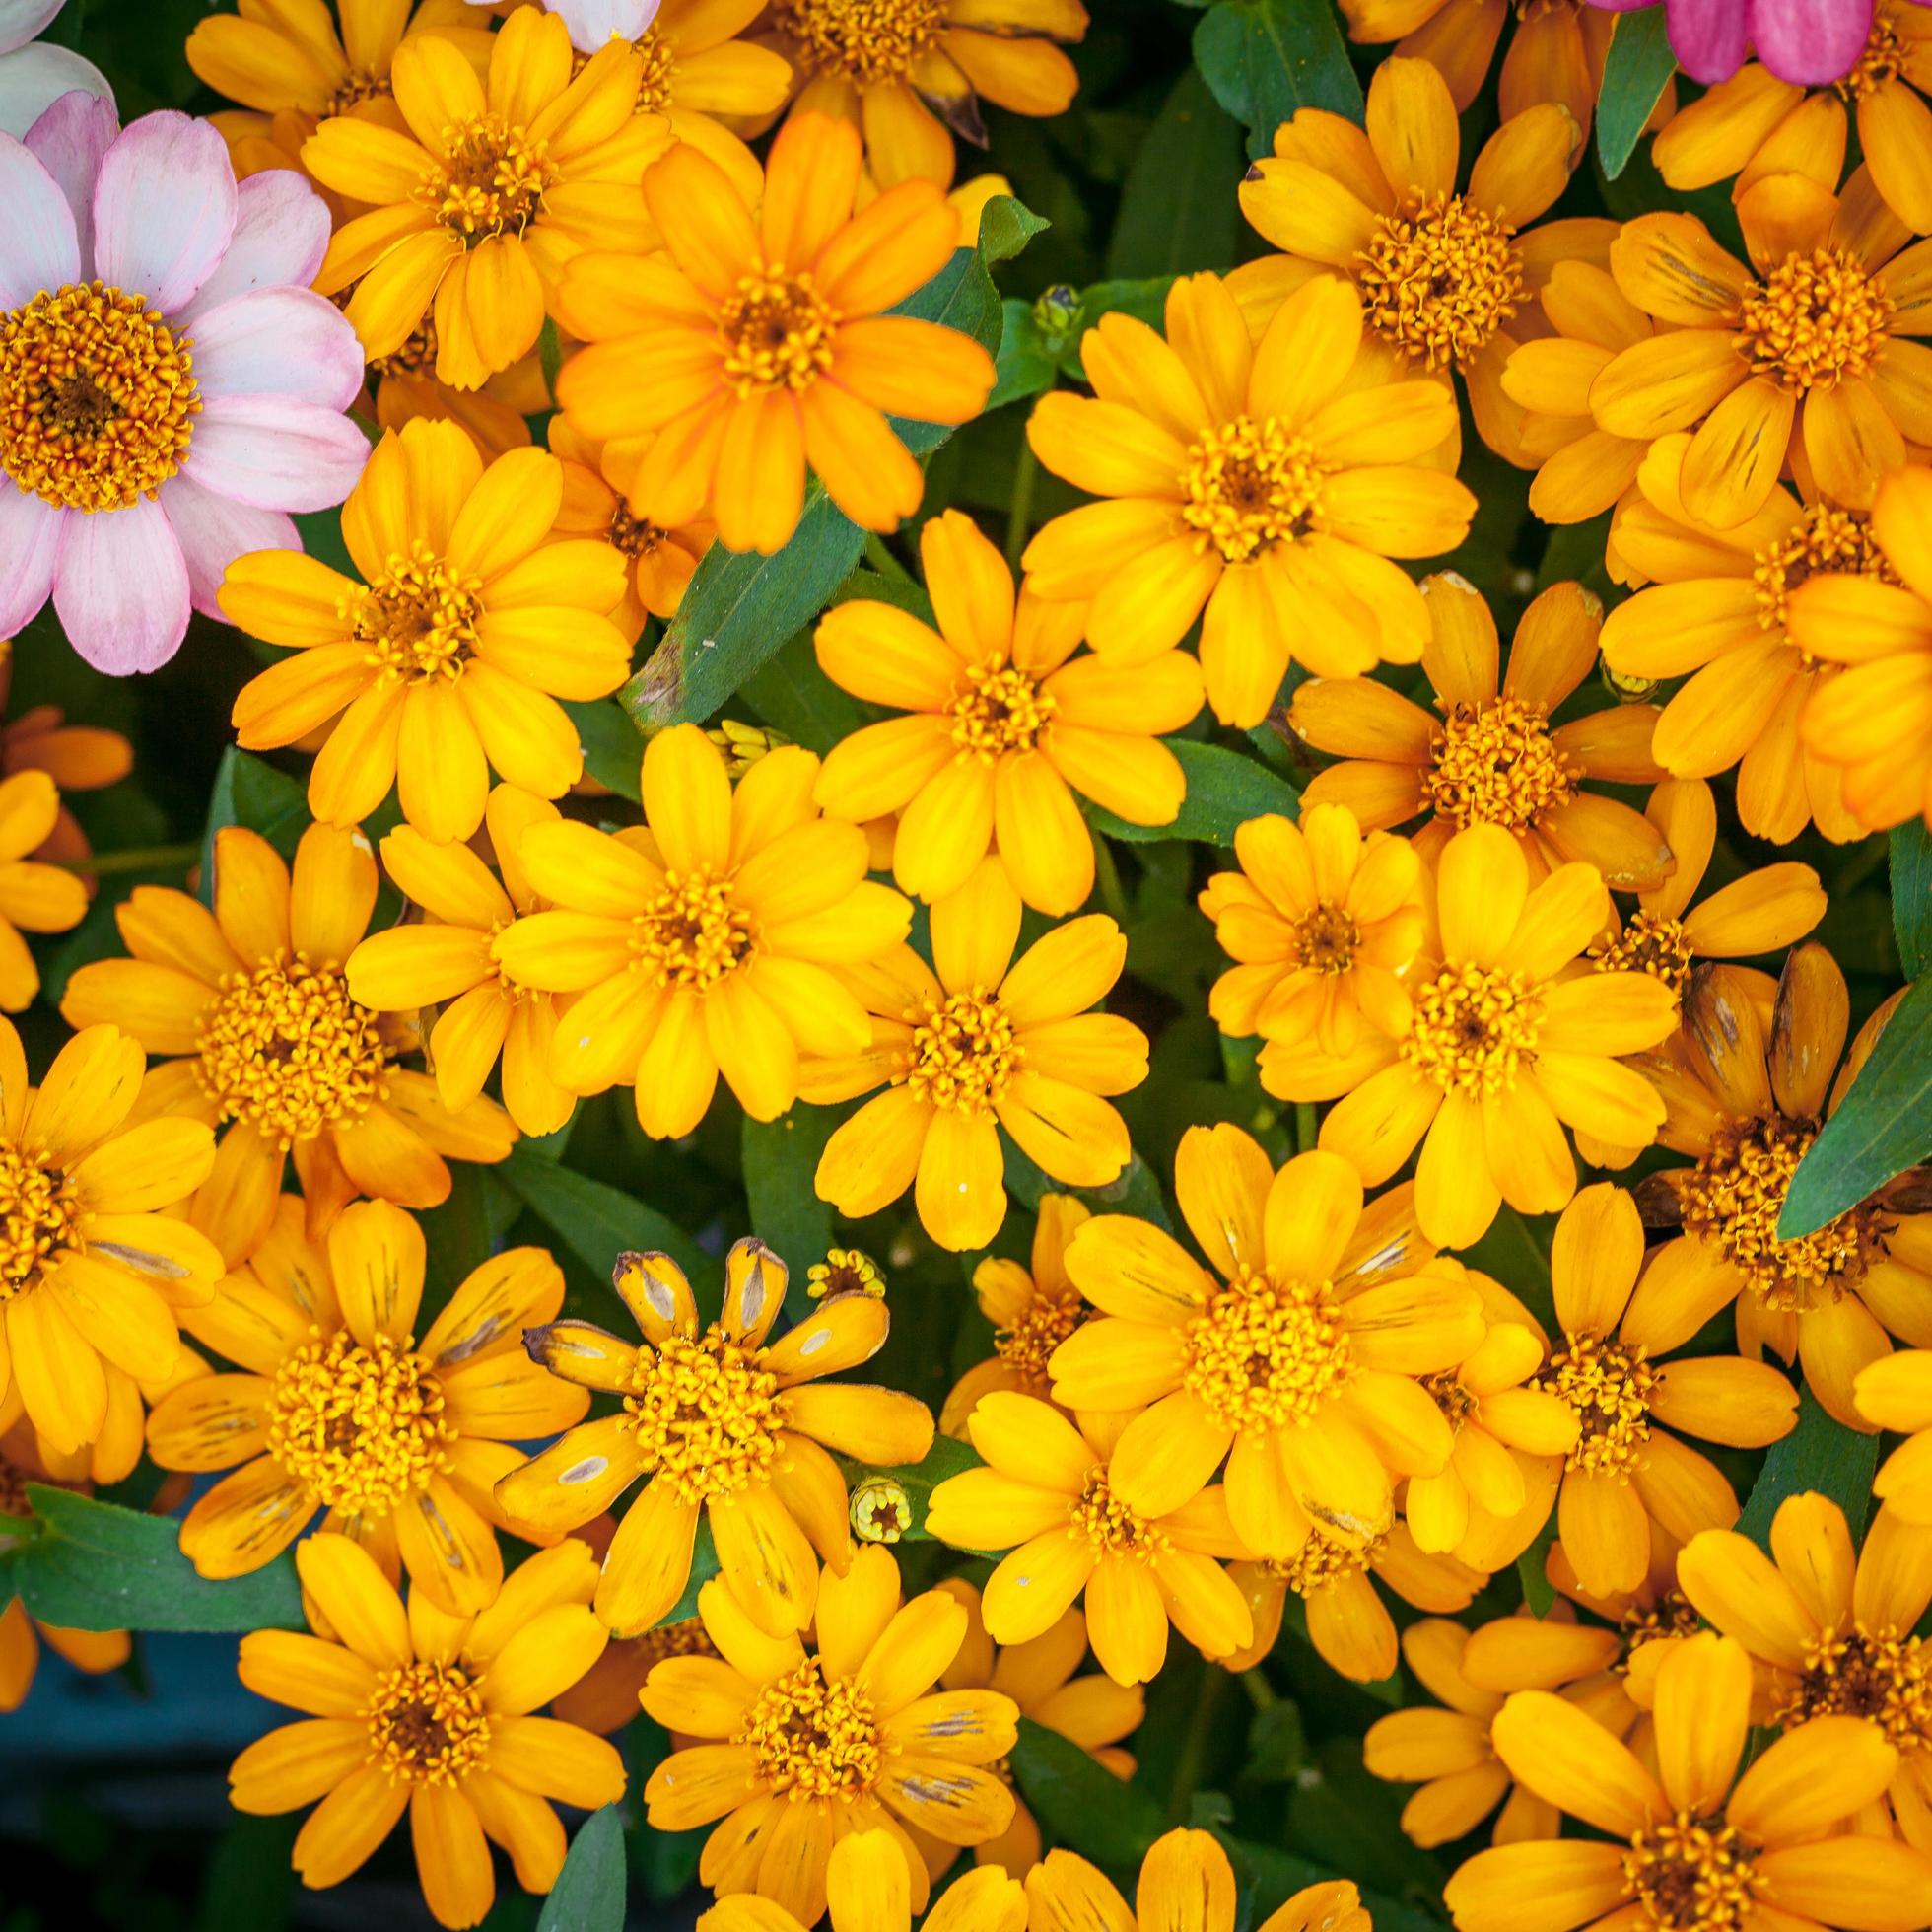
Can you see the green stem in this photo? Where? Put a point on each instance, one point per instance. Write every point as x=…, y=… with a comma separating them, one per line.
x=1305, y=1126
x=142, y=858
x=878, y=554
x=1107, y=876
x=1260, y=1694
x=1020, y=518
x=1194, y=1747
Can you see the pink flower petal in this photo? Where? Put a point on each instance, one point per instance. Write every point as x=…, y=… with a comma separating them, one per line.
x=275, y=453
x=163, y=209
x=39, y=249
x=120, y=587
x=33, y=79
x=30, y=540
x=1708, y=37
x=215, y=531
x=280, y=341
x=593, y=24
x=281, y=235
x=22, y=20
x=69, y=141
x=1811, y=41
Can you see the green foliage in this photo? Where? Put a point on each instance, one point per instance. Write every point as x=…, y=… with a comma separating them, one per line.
x=589, y=1895
x=1911, y=896
x=781, y=1157
x=1178, y=211
x=595, y=1221
x=1635, y=75
x=1265, y=59
x=251, y=793
x=1224, y=791
x=1081, y=1803
x=1818, y=1455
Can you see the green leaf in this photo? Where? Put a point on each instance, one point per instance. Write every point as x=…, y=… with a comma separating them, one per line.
x=1025, y=365
x=946, y=1458
x=613, y=752
x=1178, y=211
x=249, y=791
x=781, y=1157
x=1818, y=1454
x=794, y=696
x=596, y=1222
x=1278, y=1875
x=1224, y=791
x=1266, y=58
x=589, y=1895
x=1081, y=1804
x=1883, y=1125
x=550, y=354
x=1144, y=299
x=248, y=1881
x=1537, y=1591
x=1638, y=68
x=1006, y=225
x=1911, y=896
x=1135, y=1191
x=95, y=1566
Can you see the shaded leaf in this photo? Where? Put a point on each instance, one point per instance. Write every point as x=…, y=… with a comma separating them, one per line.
x=1266, y=58
x=1911, y=896
x=247, y=790
x=1818, y=1454
x=1178, y=210
x=1224, y=791
x=781, y=1157
x=596, y=1222
x=613, y=752
x=1081, y=1804
x=589, y=1895
x=1638, y=68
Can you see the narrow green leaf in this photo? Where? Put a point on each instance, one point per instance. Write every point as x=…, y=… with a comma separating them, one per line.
x=1178, y=212
x=1224, y=791
x=781, y=1157
x=1537, y=1591
x=1911, y=896
x=1639, y=69
x=1883, y=1125
x=96, y=1567
x=550, y=354
x=596, y=1222
x=249, y=791
x=1266, y=58
x=614, y=751
x=794, y=696
x=1082, y=1805
x=1818, y=1454
x=589, y=1895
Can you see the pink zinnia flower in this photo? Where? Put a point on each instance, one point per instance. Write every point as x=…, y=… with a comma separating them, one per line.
x=33, y=75
x=1811, y=41
x=170, y=387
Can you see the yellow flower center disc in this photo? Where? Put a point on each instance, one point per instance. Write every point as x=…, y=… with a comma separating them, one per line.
x=1251, y=485
x=1814, y=321
x=868, y=41
x=362, y=1428
x=1474, y=1028
x=1439, y=281
x=427, y=1724
x=1496, y=764
x=1265, y=1354
x=39, y=1215
x=706, y=1413
x=814, y=1738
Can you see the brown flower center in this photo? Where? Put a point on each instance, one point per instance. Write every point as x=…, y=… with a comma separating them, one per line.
x=1250, y=485
x=1439, y=280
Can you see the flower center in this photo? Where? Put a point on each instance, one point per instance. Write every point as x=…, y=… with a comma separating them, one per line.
x=658, y=90
x=1110, y=1528
x=40, y=1214
x=1028, y=1342
x=1671, y=1616
x=997, y=709
x=693, y=933
x=963, y=1051
x=1650, y=943
x=707, y=1415
x=418, y=620
x=1250, y=486
x=1325, y=941
x=1455, y=1401
x=427, y=1723
x=846, y=1270
x=1826, y=539
x=1474, y=1028
x=1692, y=1875
x=1496, y=764
x=1876, y=1674
x=361, y=85
x=361, y=1429
x=1733, y=1197
x=288, y=1051
x=1323, y=1561
x=814, y=1738
x=1265, y=1354
x=687, y=1638
x=778, y=332
x=1882, y=61
x=868, y=41
x=96, y=397
x=632, y=534
x=491, y=179
x=1439, y=281
x=1608, y=1385
x=1814, y=320
x=415, y=355
x=880, y=1510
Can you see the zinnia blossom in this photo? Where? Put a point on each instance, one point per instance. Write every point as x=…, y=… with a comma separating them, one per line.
x=1002, y=726
x=249, y=1006
x=976, y=1041
x=802, y=1748
x=450, y=657
x=763, y=347
x=428, y=1713
x=1896, y=1392
x=169, y=386
x=867, y=1889
x=34, y=75
x=717, y=1419
x=704, y=945
x=1694, y=1828
x=1264, y=487
x=1299, y=1367
x=339, y=1408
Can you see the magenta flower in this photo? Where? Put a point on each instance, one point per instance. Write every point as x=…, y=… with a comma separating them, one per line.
x=1811, y=41
x=170, y=387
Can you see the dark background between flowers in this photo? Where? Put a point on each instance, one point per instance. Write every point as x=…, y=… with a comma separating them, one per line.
x=112, y=1798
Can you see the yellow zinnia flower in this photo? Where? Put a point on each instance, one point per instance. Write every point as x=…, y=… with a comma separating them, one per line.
x=703, y=81
x=497, y=183
x=1322, y=924
x=494, y=417
x=450, y=656
x=1802, y=354
x=1032, y=1309
x=1047, y=1487
x=1774, y=1842
x=1505, y=1046
x=1003, y=726
x=252, y=1006
x=1301, y=1371
x=1870, y=609
x=720, y=1419
x=93, y=1275
x=1754, y=124
x=912, y=73
x=324, y=1336
x=812, y=1746
x=762, y=346
x=1896, y=1392
x=702, y=942
x=33, y=897
x=1830, y=1637
x=1185, y=1880
x=429, y=1713
x=448, y=960
x=976, y=1042
x=1493, y=758
x=1442, y=273
x=1628, y=1470
x=1263, y=486
x=867, y=1889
